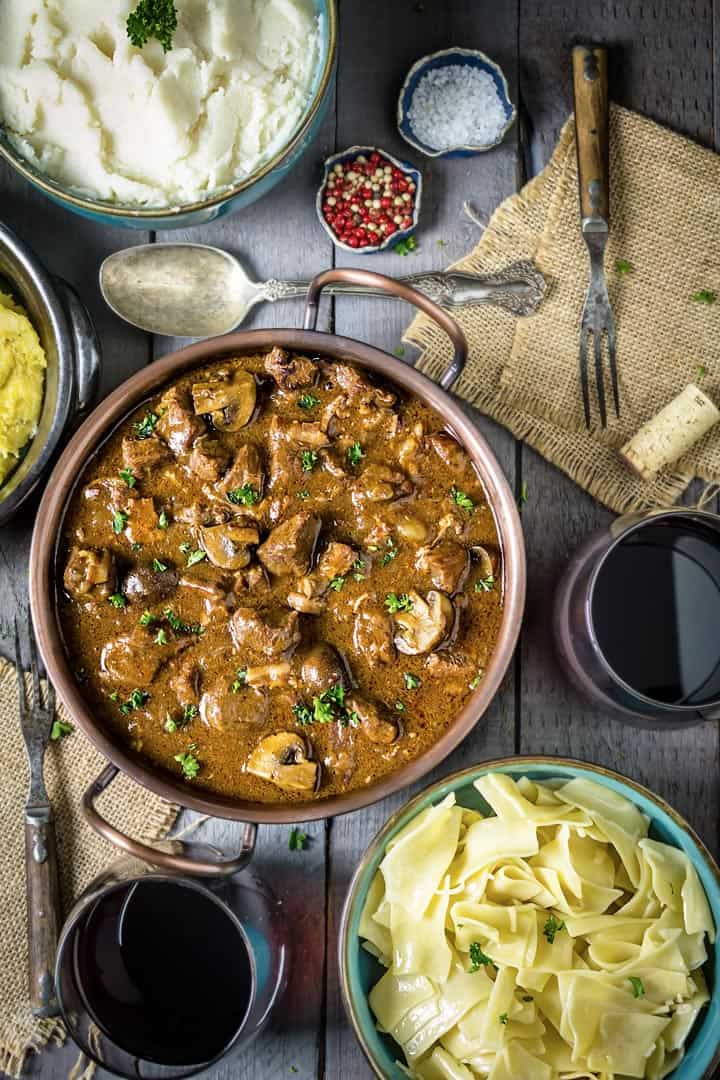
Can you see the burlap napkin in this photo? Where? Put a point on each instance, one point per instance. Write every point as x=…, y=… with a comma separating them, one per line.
x=70, y=765
x=500, y=345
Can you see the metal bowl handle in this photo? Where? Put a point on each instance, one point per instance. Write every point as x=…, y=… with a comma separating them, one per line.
x=167, y=860
x=403, y=292
x=86, y=348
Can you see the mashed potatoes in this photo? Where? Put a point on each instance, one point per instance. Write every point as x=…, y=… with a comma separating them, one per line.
x=22, y=366
x=145, y=127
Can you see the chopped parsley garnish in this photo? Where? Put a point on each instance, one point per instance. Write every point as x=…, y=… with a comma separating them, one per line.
x=637, y=986
x=60, y=729
x=411, y=681
x=129, y=477
x=115, y=696
x=503, y=1018
x=303, y=714
x=179, y=626
x=394, y=603
x=163, y=522
x=701, y=371
x=358, y=568
x=390, y=554
x=523, y=498
x=478, y=958
x=323, y=710
x=355, y=453
x=308, y=401
x=145, y=427
x=194, y=556
x=161, y=637
x=189, y=713
x=119, y=521
x=462, y=500
x=337, y=583
x=485, y=584
x=404, y=247
x=399, y=706
x=159, y=566
x=239, y=680
x=552, y=927
x=189, y=763
x=400, y=352
x=704, y=296
x=136, y=546
x=136, y=701
x=309, y=460
x=170, y=725
x=118, y=600
x=475, y=682
x=246, y=495
x=623, y=266
x=297, y=841
x=304, y=494
x=152, y=19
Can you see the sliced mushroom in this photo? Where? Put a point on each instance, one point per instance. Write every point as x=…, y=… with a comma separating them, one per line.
x=322, y=669
x=411, y=528
x=374, y=723
x=483, y=556
x=90, y=574
x=284, y=759
x=228, y=545
x=230, y=401
x=270, y=676
x=426, y=624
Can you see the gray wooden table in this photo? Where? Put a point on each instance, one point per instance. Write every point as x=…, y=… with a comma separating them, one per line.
x=663, y=63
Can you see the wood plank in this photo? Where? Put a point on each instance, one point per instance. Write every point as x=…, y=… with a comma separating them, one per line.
x=372, y=68
x=661, y=64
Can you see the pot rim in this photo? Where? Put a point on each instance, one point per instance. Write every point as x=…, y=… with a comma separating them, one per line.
x=23, y=480
x=96, y=429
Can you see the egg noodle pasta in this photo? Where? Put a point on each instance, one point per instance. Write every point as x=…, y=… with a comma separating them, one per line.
x=553, y=940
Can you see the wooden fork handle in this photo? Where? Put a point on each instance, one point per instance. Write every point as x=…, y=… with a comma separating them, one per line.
x=590, y=89
x=43, y=908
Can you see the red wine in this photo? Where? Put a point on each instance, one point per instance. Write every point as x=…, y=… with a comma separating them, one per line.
x=164, y=971
x=656, y=611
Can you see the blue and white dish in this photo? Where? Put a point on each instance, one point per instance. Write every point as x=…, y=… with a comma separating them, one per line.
x=452, y=58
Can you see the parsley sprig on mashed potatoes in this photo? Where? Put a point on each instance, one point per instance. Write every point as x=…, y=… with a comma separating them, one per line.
x=22, y=378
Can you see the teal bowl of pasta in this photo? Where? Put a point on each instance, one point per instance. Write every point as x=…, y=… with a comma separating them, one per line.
x=534, y=918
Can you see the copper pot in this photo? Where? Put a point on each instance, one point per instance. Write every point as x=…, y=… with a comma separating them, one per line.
x=44, y=576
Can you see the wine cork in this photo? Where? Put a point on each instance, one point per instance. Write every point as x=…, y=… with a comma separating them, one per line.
x=671, y=433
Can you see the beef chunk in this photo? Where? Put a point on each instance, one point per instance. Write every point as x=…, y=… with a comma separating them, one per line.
x=246, y=470
x=208, y=458
x=142, y=524
x=254, y=634
x=132, y=659
x=90, y=574
x=322, y=669
x=374, y=722
x=178, y=425
x=373, y=632
x=144, y=456
x=149, y=586
x=380, y=483
x=334, y=562
x=445, y=563
x=289, y=547
x=290, y=372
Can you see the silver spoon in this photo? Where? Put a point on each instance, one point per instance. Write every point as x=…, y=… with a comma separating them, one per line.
x=191, y=290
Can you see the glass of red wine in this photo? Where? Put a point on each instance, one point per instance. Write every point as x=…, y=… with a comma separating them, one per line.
x=637, y=616
x=160, y=975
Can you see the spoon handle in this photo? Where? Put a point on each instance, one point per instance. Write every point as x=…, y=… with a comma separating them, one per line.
x=518, y=288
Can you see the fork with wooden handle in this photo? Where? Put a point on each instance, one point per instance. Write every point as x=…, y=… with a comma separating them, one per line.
x=590, y=87
x=43, y=893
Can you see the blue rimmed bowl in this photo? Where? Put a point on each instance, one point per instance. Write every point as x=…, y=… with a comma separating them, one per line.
x=410, y=172
x=360, y=971
x=452, y=58
x=225, y=200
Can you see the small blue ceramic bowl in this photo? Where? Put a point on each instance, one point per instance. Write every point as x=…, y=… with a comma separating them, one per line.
x=351, y=154
x=360, y=971
x=452, y=58
x=224, y=201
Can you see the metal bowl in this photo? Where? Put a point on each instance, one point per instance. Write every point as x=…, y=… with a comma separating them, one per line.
x=360, y=971
x=68, y=337
x=452, y=58
x=221, y=202
x=46, y=575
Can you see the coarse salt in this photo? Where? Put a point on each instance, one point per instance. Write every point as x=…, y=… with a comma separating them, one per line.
x=456, y=105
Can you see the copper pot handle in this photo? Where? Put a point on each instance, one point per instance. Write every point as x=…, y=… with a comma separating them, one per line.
x=402, y=292
x=175, y=863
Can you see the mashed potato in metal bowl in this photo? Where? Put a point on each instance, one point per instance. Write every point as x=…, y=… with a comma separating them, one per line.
x=144, y=127
x=22, y=378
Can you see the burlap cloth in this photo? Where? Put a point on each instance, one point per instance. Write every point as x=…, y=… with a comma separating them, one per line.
x=665, y=216
x=70, y=766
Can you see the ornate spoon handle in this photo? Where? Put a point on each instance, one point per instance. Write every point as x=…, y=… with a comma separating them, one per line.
x=518, y=288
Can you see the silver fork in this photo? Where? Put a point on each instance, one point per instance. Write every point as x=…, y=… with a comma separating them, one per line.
x=590, y=86
x=43, y=893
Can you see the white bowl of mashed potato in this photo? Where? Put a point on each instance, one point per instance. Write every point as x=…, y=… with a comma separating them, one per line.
x=49, y=368
x=173, y=130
